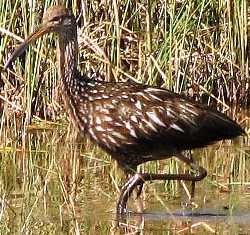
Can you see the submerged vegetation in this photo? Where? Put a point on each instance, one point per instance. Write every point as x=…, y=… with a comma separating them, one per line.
x=198, y=48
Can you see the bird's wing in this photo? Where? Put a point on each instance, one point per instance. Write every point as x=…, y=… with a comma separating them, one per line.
x=140, y=114
x=143, y=119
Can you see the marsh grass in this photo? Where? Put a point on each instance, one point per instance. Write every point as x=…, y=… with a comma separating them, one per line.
x=53, y=181
x=56, y=184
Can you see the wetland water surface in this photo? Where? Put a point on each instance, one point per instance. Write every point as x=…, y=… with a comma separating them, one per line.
x=55, y=186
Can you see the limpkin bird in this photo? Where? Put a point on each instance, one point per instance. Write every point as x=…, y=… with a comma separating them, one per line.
x=132, y=122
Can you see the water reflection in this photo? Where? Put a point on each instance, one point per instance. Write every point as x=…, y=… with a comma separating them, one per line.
x=54, y=184
x=205, y=219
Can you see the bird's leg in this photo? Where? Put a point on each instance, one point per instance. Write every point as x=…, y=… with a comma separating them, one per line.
x=127, y=189
x=131, y=171
x=140, y=178
x=193, y=182
x=195, y=167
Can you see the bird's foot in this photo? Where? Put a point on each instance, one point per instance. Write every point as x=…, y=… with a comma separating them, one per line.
x=190, y=204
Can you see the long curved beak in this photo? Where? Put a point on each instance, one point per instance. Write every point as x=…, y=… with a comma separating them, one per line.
x=41, y=30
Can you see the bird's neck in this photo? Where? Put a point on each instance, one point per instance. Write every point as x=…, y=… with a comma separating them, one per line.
x=68, y=58
x=69, y=76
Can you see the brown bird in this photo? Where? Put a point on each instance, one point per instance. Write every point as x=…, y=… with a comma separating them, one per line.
x=134, y=123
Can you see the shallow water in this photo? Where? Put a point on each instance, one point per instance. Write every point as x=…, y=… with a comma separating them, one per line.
x=52, y=185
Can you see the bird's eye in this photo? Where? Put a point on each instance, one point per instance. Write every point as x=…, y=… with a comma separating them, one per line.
x=56, y=18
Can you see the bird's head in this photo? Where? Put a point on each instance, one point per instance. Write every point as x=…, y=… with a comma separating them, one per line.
x=56, y=19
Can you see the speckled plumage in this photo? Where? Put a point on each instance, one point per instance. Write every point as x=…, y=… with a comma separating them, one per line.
x=137, y=123
x=134, y=123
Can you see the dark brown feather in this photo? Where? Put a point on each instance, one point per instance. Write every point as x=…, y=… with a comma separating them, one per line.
x=137, y=123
